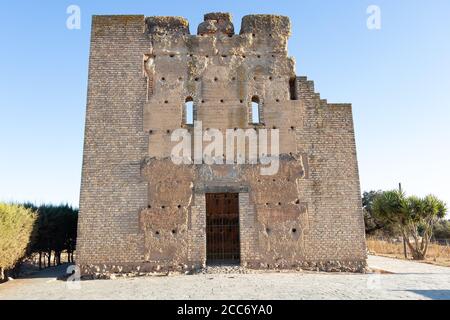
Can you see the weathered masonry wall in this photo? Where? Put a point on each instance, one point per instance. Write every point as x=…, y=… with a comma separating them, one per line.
x=112, y=190
x=140, y=211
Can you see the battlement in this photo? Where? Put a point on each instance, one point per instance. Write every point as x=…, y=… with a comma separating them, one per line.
x=266, y=24
x=162, y=25
x=261, y=34
x=218, y=23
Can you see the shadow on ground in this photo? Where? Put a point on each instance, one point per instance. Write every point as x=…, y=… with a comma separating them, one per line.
x=433, y=294
x=58, y=272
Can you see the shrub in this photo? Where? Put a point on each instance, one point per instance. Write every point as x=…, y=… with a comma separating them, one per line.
x=442, y=230
x=16, y=234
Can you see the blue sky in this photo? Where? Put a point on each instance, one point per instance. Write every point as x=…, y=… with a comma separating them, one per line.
x=397, y=78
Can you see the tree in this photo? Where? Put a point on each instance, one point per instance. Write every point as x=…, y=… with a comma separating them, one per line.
x=441, y=229
x=388, y=206
x=16, y=234
x=71, y=233
x=423, y=214
x=371, y=221
x=56, y=232
x=412, y=216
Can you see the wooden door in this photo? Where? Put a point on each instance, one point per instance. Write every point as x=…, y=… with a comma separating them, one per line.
x=222, y=228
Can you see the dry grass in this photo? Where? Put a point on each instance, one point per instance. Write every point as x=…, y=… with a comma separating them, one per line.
x=436, y=254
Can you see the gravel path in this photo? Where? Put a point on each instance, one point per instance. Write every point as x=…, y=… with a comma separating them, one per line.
x=405, y=280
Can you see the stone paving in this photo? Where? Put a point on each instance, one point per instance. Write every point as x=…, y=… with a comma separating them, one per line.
x=400, y=280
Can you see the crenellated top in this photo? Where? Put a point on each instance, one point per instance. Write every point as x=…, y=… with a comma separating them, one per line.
x=165, y=24
x=266, y=24
x=221, y=23
x=216, y=22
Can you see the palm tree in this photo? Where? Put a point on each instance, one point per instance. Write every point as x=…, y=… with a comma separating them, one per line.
x=412, y=216
x=424, y=213
x=390, y=207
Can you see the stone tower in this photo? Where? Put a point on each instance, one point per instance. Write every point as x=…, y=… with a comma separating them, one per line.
x=141, y=211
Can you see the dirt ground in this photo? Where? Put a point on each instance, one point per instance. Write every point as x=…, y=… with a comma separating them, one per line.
x=436, y=254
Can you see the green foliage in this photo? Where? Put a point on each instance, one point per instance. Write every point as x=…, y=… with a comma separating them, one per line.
x=44, y=229
x=414, y=217
x=373, y=223
x=57, y=230
x=441, y=229
x=390, y=207
x=16, y=232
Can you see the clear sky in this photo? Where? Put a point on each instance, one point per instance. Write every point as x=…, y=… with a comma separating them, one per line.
x=397, y=78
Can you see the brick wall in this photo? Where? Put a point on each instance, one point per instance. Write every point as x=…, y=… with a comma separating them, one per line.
x=112, y=190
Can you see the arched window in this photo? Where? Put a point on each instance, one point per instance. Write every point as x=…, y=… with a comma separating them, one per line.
x=188, y=111
x=255, y=110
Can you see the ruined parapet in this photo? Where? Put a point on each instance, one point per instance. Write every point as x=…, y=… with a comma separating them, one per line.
x=162, y=25
x=266, y=24
x=266, y=33
x=216, y=22
x=259, y=35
